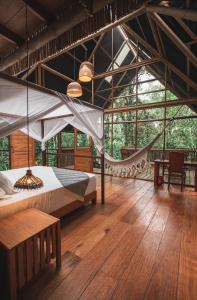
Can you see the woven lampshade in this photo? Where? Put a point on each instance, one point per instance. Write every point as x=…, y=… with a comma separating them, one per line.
x=74, y=89
x=86, y=71
x=28, y=182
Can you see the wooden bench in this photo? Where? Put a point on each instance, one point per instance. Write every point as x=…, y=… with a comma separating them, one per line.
x=29, y=240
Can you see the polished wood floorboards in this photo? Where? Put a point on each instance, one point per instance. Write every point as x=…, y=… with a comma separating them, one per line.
x=141, y=245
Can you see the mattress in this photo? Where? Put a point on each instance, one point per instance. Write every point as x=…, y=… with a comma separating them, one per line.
x=51, y=197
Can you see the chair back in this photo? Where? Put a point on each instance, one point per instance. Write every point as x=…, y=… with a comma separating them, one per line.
x=176, y=161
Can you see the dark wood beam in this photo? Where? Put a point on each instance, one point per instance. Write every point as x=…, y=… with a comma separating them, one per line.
x=128, y=67
x=187, y=14
x=61, y=26
x=171, y=66
x=168, y=103
x=175, y=39
x=39, y=10
x=11, y=36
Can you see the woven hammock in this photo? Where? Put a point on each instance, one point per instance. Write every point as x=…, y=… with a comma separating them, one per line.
x=132, y=165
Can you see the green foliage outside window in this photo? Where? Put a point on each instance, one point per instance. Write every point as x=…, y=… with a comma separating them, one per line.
x=4, y=153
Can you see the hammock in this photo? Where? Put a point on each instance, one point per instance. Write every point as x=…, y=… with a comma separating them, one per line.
x=137, y=162
x=134, y=164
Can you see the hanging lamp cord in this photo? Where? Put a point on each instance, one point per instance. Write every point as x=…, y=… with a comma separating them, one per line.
x=74, y=66
x=27, y=81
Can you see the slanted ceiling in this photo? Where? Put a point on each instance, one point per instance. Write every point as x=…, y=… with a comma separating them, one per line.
x=144, y=30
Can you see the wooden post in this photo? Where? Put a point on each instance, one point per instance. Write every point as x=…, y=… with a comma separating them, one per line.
x=59, y=150
x=112, y=96
x=40, y=82
x=136, y=100
x=102, y=179
x=93, y=82
x=44, y=157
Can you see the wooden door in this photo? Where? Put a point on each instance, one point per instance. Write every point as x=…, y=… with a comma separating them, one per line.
x=83, y=156
x=19, y=150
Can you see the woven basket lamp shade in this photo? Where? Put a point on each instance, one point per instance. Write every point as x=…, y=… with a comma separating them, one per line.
x=74, y=89
x=29, y=182
x=86, y=71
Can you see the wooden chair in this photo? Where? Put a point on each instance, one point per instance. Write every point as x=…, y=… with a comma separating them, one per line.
x=176, y=167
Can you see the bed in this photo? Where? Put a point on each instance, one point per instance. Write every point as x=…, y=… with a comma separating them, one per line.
x=54, y=197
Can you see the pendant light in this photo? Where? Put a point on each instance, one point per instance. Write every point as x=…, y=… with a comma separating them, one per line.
x=86, y=70
x=74, y=88
x=28, y=181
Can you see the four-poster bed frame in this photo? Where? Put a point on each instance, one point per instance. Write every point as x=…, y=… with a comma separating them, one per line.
x=90, y=197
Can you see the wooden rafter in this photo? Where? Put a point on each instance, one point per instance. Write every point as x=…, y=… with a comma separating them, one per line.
x=96, y=47
x=155, y=34
x=186, y=28
x=65, y=77
x=128, y=67
x=187, y=14
x=172, y=67
x=175, y=39
x=39, y=10
x=11, y=36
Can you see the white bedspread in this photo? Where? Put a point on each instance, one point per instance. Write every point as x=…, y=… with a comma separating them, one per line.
x=51, y=197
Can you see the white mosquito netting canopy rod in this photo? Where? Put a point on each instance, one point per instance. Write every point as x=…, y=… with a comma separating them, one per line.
x=49, y=112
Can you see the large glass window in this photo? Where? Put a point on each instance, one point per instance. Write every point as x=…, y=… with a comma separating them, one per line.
x=4, y=153
x=67, y=139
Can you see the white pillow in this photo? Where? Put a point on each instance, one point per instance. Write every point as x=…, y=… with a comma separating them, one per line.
x=6, y=185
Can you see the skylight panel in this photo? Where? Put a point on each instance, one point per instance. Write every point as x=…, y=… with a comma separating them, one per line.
x=122, y=55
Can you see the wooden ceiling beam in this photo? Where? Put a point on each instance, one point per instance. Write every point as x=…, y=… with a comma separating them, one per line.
x=55, y=29
x=128, y=67
x=186, y=28
x=38, y=10
x=171, y=66
x=59, y=27
x=66, y=78
x=175, y=39
x=11, y=36
x=187, y=14
x=168, y=103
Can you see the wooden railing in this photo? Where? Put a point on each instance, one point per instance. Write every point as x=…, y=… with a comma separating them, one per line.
x=190, y=154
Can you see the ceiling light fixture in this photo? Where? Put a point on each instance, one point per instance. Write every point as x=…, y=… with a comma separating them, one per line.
x=28, y=181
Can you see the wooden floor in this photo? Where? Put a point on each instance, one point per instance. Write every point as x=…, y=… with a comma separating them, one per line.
x=141, y=245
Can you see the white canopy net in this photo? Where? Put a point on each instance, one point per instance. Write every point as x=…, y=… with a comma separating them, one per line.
x=49, y=112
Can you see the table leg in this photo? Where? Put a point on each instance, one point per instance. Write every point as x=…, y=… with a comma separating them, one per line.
x=12, y=274
x=195, y=179
x=58, y=246
x=156, y=173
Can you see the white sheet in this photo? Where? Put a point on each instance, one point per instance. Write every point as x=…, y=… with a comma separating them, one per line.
x=51, y=197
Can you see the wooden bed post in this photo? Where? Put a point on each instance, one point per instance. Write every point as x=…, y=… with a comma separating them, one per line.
x=44, y=160
x=103, y=168
x=102, y=179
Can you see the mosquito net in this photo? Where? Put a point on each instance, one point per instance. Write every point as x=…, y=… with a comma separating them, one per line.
x=49, y=112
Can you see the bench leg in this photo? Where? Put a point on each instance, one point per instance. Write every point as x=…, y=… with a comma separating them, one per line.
x=58, y=246
x=12, y=274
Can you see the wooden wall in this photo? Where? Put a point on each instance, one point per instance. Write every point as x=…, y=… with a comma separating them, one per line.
x=80, y=161
x=19, y=150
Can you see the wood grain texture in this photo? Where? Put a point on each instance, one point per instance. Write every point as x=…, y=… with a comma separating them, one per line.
x=19, y=150
x=141, y=246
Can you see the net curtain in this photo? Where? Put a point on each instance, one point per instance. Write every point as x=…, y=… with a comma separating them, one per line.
x=48, y=113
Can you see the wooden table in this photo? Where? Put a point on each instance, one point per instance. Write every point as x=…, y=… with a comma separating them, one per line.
x=29, y=240
x=165, y=162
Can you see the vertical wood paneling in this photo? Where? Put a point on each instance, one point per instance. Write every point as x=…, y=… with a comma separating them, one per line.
x=19, y=150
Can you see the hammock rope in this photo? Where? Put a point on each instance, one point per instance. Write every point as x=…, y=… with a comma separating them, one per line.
x=137, y=162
